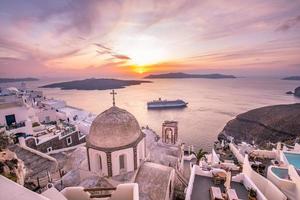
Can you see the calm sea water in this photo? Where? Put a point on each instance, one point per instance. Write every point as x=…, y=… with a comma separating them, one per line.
x=212, y=103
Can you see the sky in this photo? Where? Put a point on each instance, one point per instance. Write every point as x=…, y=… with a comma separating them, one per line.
x=132, y=38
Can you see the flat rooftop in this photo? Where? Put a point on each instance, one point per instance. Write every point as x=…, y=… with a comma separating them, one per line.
x=10, y=105
x=202, y=185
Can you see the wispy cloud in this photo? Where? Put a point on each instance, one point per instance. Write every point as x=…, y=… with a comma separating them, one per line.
x=122, y=57
x=102, y=46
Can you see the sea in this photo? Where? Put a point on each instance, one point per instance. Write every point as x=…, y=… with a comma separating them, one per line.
x=211, y=103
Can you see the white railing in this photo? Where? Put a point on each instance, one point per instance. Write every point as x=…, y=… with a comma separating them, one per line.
x=269, y=190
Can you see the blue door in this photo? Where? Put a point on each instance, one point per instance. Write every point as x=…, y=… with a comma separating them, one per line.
x=10, y=119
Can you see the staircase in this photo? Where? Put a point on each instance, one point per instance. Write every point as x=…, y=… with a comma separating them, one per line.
x=36, y=164
x=181, y=178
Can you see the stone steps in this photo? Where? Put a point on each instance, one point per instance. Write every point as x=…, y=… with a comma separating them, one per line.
x=36, y=165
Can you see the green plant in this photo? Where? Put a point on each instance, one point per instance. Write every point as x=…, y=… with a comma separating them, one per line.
x=199, y=155
x=35, y=124
x=252, y=192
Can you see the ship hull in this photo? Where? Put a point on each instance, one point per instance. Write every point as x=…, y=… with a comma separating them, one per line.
x=166, y=106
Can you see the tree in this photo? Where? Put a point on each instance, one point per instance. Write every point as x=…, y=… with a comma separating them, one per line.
x=201, y=154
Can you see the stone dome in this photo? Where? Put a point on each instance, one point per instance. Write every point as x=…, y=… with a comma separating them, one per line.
x=114, y=128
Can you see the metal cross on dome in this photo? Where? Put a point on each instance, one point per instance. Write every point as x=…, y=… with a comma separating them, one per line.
x=113, y=93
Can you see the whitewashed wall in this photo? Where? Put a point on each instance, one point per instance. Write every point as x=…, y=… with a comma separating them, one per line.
x=141, y=152
x=21, y=114
x=95, y=162
x=236, y=153
x=269, y=190
x=129, y=160
x=43, y=114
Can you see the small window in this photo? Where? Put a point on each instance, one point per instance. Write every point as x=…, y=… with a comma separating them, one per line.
x=69, y=140
x=49, y=149
x=122, y=161
x=100, y=163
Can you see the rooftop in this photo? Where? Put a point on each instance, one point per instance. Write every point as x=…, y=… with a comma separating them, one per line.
x=113, y=128
x=161, y=153
x=202, y=185
x=153, y=180
x=10, y=105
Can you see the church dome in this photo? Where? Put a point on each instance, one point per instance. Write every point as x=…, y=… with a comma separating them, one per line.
x=114, y=128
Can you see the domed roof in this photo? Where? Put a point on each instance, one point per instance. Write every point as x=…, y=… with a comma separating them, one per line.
x=114, y=128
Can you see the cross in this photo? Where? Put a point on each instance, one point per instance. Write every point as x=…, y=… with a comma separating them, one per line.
x=113, y=93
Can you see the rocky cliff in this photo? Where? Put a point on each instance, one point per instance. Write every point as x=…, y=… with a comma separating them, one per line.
x=297, y=92
x=266, y=124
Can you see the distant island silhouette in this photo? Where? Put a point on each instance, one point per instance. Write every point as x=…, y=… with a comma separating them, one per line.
x=11, y=80
x=292, y=78
x=185, y=75
x=94, y=84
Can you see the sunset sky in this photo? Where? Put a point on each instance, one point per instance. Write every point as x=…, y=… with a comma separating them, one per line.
x=132, y=38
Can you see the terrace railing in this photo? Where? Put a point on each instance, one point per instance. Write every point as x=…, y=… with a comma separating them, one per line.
x=16, y=125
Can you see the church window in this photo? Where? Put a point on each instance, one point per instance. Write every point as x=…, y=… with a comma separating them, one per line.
x=122, y=161
x=100, y=163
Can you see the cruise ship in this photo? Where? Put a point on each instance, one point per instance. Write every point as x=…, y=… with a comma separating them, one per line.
x=159, y=104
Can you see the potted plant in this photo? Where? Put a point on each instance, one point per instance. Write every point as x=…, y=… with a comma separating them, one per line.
x=201, y=154
x=252, y=194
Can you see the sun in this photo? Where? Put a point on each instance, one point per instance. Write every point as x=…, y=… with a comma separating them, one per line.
x=143, y=51
x=140, y=69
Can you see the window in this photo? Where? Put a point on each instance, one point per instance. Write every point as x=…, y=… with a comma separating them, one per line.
x=100, y=163
x=122, y=161
x=69, y=140
x=49, y=149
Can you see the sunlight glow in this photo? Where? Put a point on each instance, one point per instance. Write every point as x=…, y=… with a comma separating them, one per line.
x=144, y=50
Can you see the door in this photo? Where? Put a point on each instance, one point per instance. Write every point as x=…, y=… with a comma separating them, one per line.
x=10, y=119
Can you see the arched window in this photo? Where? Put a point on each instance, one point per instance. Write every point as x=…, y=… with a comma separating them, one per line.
x=122, y=162
x=100, y=163
x=168, y=135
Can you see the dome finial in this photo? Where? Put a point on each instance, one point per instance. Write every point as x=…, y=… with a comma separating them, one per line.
x=113, y=93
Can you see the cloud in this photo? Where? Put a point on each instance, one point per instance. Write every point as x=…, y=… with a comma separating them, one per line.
x=102, y=46
x=121, y=57
x=288, y=24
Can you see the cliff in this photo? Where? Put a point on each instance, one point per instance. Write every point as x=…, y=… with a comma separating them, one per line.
x=297, y=92
x=266, y=124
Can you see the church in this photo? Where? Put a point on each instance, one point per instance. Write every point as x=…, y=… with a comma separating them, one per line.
x=115, y=144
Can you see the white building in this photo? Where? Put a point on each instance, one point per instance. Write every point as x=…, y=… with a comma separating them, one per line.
x=15, y=117
x=115, y=144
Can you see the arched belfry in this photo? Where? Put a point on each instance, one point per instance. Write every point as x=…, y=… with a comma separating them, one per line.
x=115, y=144
x=170, y=132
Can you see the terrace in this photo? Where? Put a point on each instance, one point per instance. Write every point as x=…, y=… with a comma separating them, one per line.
x=16, y=125
x=202, y=185
x=46, y=132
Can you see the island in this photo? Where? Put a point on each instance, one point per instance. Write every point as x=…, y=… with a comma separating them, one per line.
x=185, y=75
x=292, y=78
x=278, y=123
x=94, y=84
x=11, y=80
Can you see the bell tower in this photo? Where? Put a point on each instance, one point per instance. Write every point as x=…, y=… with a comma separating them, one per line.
x=170, y=132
